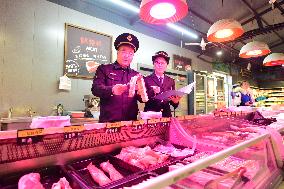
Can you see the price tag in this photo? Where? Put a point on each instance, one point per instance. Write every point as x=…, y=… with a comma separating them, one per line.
x=74, y=129
x=113, y=130
x=188, y=117
x=137, y=128
x=238, y=113
x=139, y=122
x=165, y=119
x=153, y=121
x=223, y=113
x=233, y=113
x=180, y=118
x=217, y=114
x=30, y=133
x=113, y=125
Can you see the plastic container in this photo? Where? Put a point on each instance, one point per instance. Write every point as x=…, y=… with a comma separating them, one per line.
x=48, y=176
x=50, y=121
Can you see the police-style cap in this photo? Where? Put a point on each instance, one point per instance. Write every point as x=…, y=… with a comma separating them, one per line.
x=161, y=54
x=126, y=39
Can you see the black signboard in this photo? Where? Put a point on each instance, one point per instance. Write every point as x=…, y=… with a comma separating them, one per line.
x=85, y=50
x=181, y=63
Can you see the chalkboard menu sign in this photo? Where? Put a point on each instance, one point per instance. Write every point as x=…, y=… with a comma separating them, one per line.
x=182, y=63
x=85, y=50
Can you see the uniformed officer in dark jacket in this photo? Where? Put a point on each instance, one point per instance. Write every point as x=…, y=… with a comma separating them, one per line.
x=157, y=83
x=110, y=83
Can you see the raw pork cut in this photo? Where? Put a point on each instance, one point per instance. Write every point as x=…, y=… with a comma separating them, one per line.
x=30, y=181
x=98, y=175
x=113, y=173
x=61, y=184
x=141, y=157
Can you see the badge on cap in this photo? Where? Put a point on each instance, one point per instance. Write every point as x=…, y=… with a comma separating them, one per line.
x=129, y=38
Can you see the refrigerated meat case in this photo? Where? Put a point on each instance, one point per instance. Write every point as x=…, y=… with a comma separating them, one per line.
x=227, y=152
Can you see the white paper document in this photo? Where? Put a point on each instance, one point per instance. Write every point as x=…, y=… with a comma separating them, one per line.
x=182, y=91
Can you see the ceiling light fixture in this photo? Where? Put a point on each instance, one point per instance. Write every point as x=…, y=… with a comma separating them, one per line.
x=163, y=11
x=254, y=49
x=219, y=53
x=170, y=25
x=224, y=30
x=274, y=59
x=182, y=30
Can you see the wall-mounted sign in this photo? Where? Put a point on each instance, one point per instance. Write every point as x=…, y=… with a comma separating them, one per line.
x=181, y=63
x=85, y=50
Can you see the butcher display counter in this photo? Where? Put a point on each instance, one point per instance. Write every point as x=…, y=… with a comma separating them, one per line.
x=184, y=152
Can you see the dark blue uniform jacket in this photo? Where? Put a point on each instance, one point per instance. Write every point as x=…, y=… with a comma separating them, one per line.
x=114, y=107
x=155, y=104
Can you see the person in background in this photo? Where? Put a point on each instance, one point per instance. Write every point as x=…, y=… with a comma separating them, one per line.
x=236, y=95
x=157, y=83
x=111, y=81
x=246, y=94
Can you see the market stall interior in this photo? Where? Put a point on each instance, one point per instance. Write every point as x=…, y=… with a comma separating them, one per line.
x=216, y=52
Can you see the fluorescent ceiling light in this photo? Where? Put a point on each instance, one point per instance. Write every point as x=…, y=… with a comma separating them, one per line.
x=126, y=5
x=182, y=30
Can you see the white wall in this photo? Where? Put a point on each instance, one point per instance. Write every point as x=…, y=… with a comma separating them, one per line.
x=32, y=54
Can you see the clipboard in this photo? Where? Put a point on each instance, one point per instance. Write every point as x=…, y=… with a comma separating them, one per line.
x=165, y=95
x=182, y=91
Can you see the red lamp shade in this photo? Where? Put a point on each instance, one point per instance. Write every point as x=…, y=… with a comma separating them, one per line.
x=163, y=11
x=254, y=49
x=224, y=30
x=274, y=59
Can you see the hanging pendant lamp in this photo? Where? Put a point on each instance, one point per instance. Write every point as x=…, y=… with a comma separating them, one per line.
x=224, y=30
x=274, y=59
x=163, y=11
x=254, y=49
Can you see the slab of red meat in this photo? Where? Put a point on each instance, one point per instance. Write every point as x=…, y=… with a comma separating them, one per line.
x=113, y=173
x=30, y=181
x=61, y=184
x=98, y=175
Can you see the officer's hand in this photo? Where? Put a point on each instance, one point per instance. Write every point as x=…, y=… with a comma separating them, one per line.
x=118, y=89
x=175, y=99
x=139, y=77
x=156, y=89
x=248, y=103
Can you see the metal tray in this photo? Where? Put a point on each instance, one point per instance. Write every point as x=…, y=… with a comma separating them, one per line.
x=81, y=173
